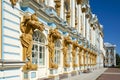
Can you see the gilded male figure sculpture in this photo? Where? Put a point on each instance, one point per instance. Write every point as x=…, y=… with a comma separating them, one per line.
x=52, y=37
x=27, y=27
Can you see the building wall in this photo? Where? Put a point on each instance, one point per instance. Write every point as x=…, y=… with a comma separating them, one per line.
x=12, y=49
x=110, y=55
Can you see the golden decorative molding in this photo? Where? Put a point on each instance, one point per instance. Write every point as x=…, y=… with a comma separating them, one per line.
x=27, y=27
x=13, y=2
x=80, y=55
x=66, y=42
x=68, y=16
x=76, y=22
x=0, y=29
x=57, y=6
x=84, y=8
x=52, y=37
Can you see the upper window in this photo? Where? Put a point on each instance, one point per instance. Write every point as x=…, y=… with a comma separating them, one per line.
x=38, y=49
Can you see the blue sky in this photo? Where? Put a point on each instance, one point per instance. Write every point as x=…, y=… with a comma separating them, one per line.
x=108, y=13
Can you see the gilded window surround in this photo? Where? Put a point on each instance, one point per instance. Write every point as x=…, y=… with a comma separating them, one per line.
x=52, y=37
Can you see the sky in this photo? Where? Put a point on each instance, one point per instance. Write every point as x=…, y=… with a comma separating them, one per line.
x=108, y=13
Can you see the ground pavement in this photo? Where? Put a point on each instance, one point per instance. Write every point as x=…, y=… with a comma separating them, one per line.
x=88, y=76
x=110, y=74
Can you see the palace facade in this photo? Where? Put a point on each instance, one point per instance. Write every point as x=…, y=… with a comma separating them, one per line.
x=48, y=39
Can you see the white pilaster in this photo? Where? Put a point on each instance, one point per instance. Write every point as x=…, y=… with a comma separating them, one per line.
x=62, y=9
x=72, y=13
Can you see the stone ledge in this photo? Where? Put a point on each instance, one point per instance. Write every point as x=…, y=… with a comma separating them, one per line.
x=9, y=64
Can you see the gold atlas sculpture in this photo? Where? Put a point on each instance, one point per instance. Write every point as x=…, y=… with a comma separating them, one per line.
x=66, y=43
x=52, y=37
x=27, y=27
x=75, y=45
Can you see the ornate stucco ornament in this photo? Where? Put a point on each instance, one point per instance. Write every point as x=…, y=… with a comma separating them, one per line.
x=13, y=2
x=57, y=6
x=79, y=1
x=27, y=27
x=52, y=37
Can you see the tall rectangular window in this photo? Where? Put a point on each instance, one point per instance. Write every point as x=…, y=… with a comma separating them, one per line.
x=38, y=49
x=57, y=52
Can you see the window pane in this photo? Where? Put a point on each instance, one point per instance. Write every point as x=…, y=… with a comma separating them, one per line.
x=38, y=49
x=40, y=55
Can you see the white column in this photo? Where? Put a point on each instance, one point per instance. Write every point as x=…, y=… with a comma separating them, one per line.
x=79, y=18
x=109, y=58
x=84, y=24
x=62, y=9
x=0, y=29
x=87, y=30
x=114, y=57
x=72, y=4
x=51, y=3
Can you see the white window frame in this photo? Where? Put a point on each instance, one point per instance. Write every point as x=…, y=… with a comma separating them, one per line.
x=39, y=36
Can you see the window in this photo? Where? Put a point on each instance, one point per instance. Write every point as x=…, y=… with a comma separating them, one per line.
x=57, y=51
x=69, y=53
x=38, y=49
